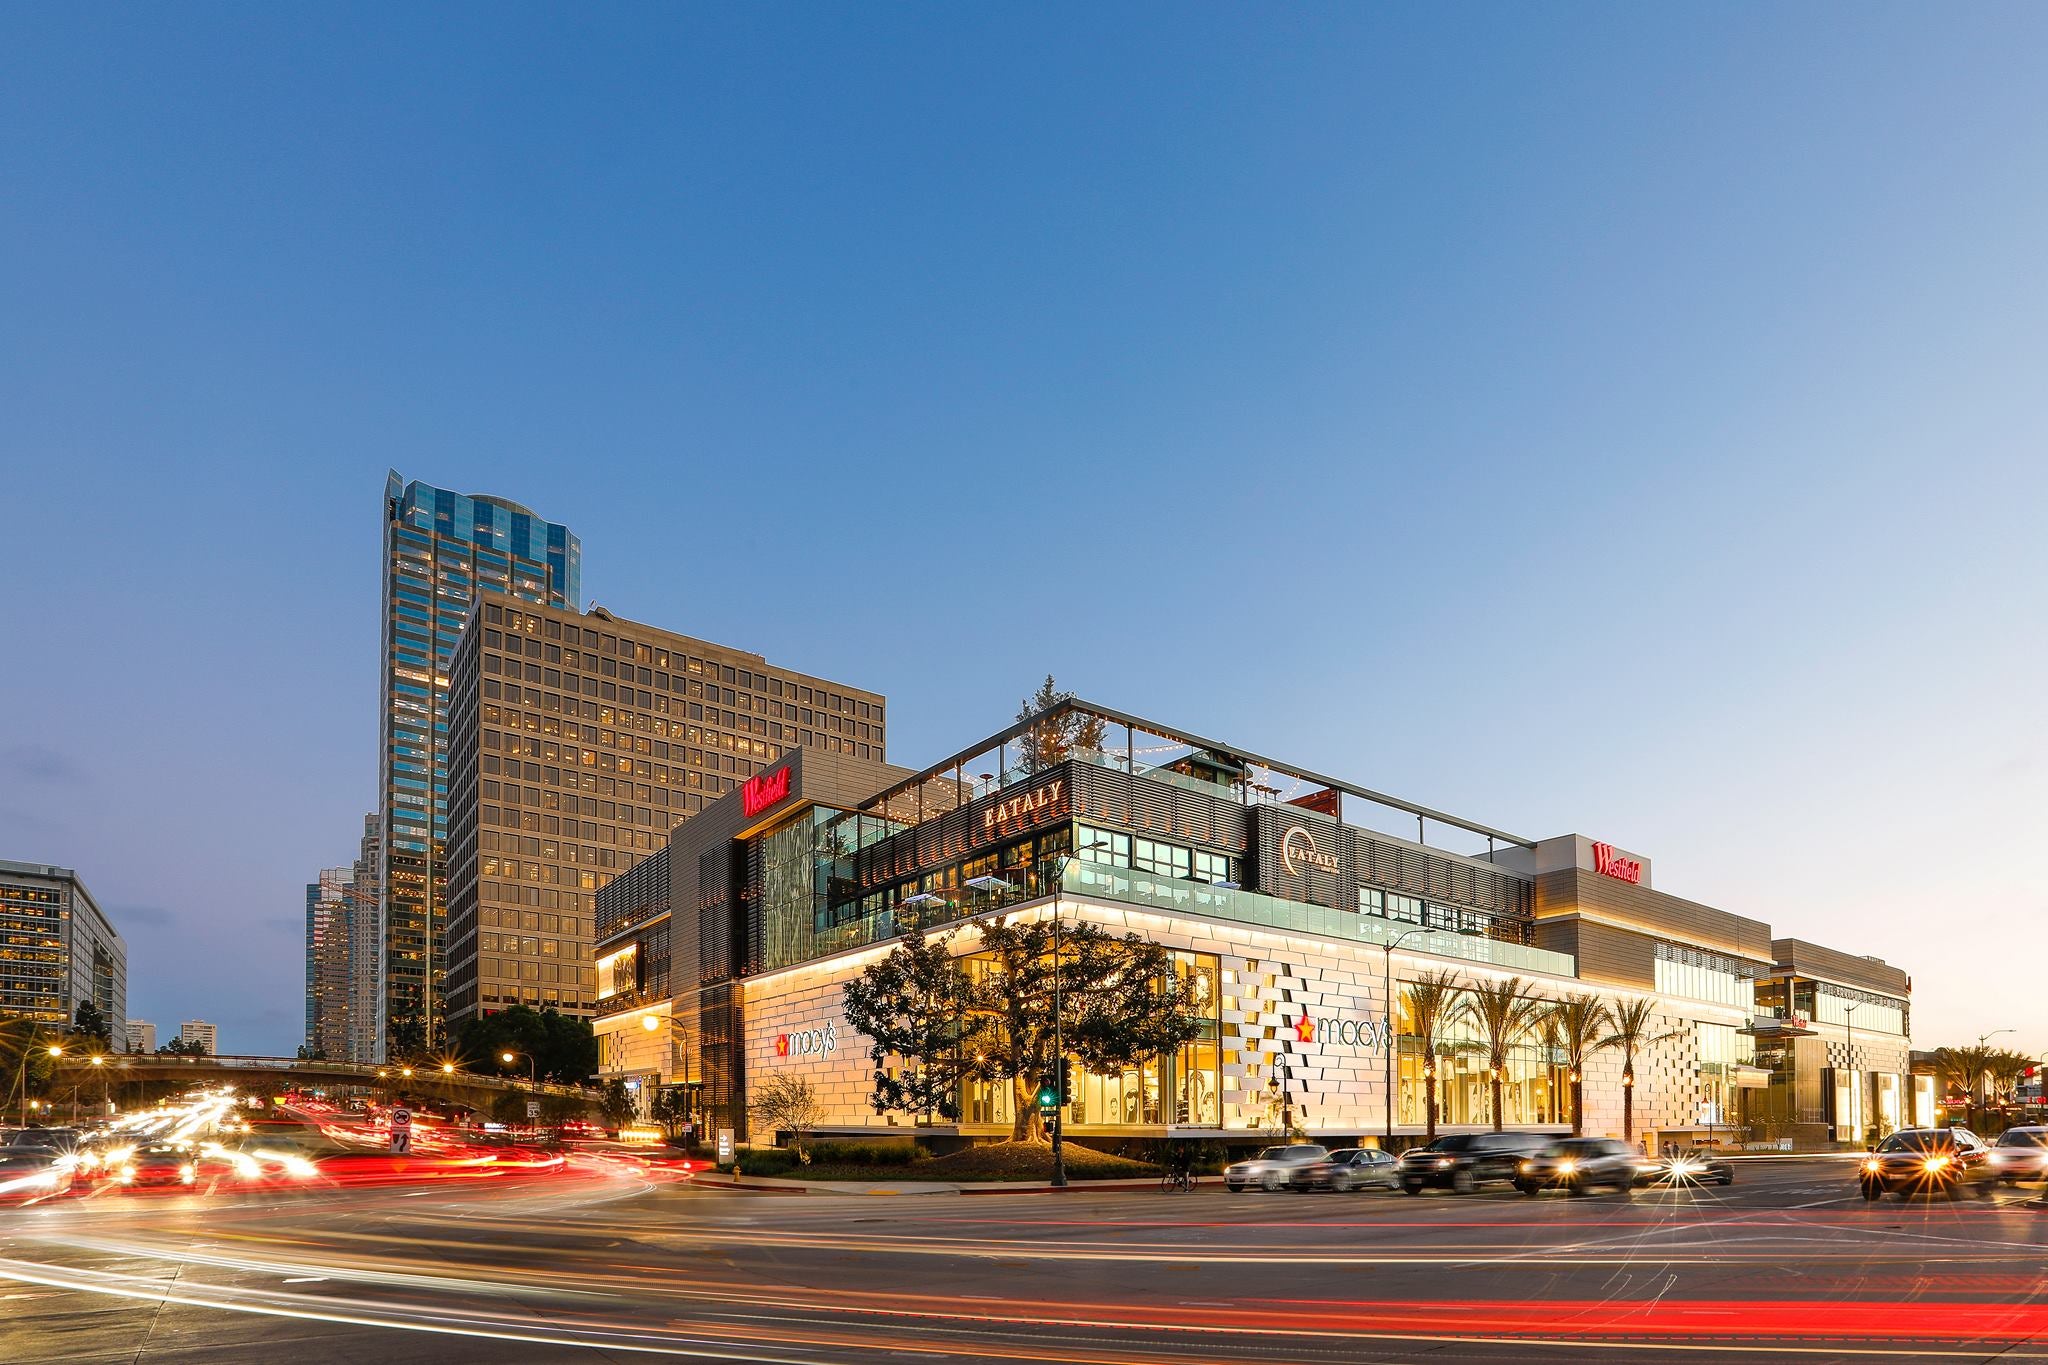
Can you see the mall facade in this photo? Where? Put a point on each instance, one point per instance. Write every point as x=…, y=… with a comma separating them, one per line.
x=1295, y=919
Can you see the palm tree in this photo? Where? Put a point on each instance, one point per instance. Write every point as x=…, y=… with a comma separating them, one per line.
x=1964, y=1068
x=1433, y=1001
x=1632, y=1035
x=1578, y=1026
x=1504, y=1013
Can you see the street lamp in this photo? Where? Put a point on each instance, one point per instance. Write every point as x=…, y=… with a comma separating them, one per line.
x=1855, y=1091
x=1387, y=998
x=105, y=1101
x=21, y=1079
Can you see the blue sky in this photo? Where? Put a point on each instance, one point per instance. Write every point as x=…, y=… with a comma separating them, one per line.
x=1598, y=418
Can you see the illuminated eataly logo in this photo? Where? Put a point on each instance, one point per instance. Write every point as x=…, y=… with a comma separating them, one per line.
x=1030, y=803
x=1298, y=846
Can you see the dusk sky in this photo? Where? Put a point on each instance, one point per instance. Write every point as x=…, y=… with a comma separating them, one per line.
x=1592, y=420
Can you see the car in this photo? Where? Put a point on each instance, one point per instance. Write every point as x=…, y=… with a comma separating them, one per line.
x=1465, y=1161
x=1579, y=1165
x=1692, y=1166
x=158, y=1163
x=1946, y=1161
x=2021, y=1154
x=33, y=1172
x=1347, y=1168
x=63, y=1139
x=1273, y=1167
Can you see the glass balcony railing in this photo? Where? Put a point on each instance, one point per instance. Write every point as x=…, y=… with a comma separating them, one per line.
x=1172, y=895
x=1177, y=896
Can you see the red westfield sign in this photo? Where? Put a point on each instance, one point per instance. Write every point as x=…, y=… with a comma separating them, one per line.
x=763, y=790
x=1610, y=864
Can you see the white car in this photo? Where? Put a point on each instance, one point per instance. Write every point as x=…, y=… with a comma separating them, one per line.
x=1273, y=1168
x=2021, y=1154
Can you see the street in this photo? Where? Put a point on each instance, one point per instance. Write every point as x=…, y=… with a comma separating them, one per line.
x=601, y=1260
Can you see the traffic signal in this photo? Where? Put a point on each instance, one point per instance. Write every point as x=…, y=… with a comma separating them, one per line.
x=1048, y=1095
x=1066, y=1084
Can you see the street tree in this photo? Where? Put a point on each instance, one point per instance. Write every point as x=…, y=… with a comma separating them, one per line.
x=1433, y=1000
x=1120, y=1003
x=787, y=1102
x=89, y=1028
x=671, y=1109
x=1634, y=1032
x=1050, y=741
x=561, y=1048
x=909, y=1005
x=1504, y=1013
x=1578, y=1026
x=615, y=1103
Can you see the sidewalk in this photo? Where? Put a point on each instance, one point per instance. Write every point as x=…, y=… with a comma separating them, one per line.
x=768, y=1184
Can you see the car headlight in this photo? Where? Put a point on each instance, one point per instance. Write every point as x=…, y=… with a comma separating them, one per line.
x=1873, y=1165
x=1527, y=1167
x=1684, y=1168
x=1566, y=1167
x=187, y=1174
x=1443, y=1163
x=1935, y=1163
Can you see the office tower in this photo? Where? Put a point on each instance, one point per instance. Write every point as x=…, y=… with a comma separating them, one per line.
x=328, y=909
x=58, y=951
x=578, y=741
x=440, y=549
x=365, y=944
x=141, y=1036
x=199, y=1031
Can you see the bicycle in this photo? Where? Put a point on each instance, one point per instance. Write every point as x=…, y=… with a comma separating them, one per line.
x=1177, y=1181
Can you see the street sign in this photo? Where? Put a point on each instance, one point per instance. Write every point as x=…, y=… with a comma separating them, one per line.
x=533, y=1109
x=725, y=1144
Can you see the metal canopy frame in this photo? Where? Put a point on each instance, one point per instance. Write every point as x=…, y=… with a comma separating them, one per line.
x=954, y=765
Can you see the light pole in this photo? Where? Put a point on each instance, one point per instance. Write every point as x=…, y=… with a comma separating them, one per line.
x=1387, y=1038
x=21, y=1080
x=1855, y=1091
x=532, y=1075
x=105, y=1102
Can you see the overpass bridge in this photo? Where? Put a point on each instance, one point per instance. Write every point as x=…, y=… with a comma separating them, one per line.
x=432, y=1082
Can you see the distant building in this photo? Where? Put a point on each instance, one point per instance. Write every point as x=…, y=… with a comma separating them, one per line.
x=199, y=1031
x=328, y=913
x=60, y=951
x=440, y=549
x=141, y=1036
x=365, y=945
x=577, y=742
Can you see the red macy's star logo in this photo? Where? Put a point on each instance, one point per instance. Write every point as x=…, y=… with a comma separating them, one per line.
x=782, y=1044
x=1305, y=1029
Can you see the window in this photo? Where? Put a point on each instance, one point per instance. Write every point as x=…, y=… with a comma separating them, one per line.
x=1105, y=846
x=1371, y=901
x=1213, y=867
x=1166, y=860
x=1407, y=909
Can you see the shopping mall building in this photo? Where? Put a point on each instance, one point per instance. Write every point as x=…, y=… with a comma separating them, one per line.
x=1292, y=916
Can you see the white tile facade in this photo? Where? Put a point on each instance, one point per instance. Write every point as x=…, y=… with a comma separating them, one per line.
x=1271, y=980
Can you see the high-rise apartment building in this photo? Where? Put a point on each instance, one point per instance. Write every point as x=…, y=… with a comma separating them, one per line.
x=440, y=550
x=365, y=944
x=141, y=1036
x=199, y=1031
x=330, y=905
x=58, y=951
x=577, y=742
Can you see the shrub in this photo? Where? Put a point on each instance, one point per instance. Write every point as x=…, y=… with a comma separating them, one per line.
x=864, y=1153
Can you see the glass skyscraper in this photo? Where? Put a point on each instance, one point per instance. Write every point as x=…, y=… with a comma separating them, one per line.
x=440, y=550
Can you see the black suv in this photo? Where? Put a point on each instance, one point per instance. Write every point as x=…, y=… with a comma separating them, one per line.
x=1464, y=1161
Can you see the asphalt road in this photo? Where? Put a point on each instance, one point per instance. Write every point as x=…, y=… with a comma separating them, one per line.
x=598, y=1262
